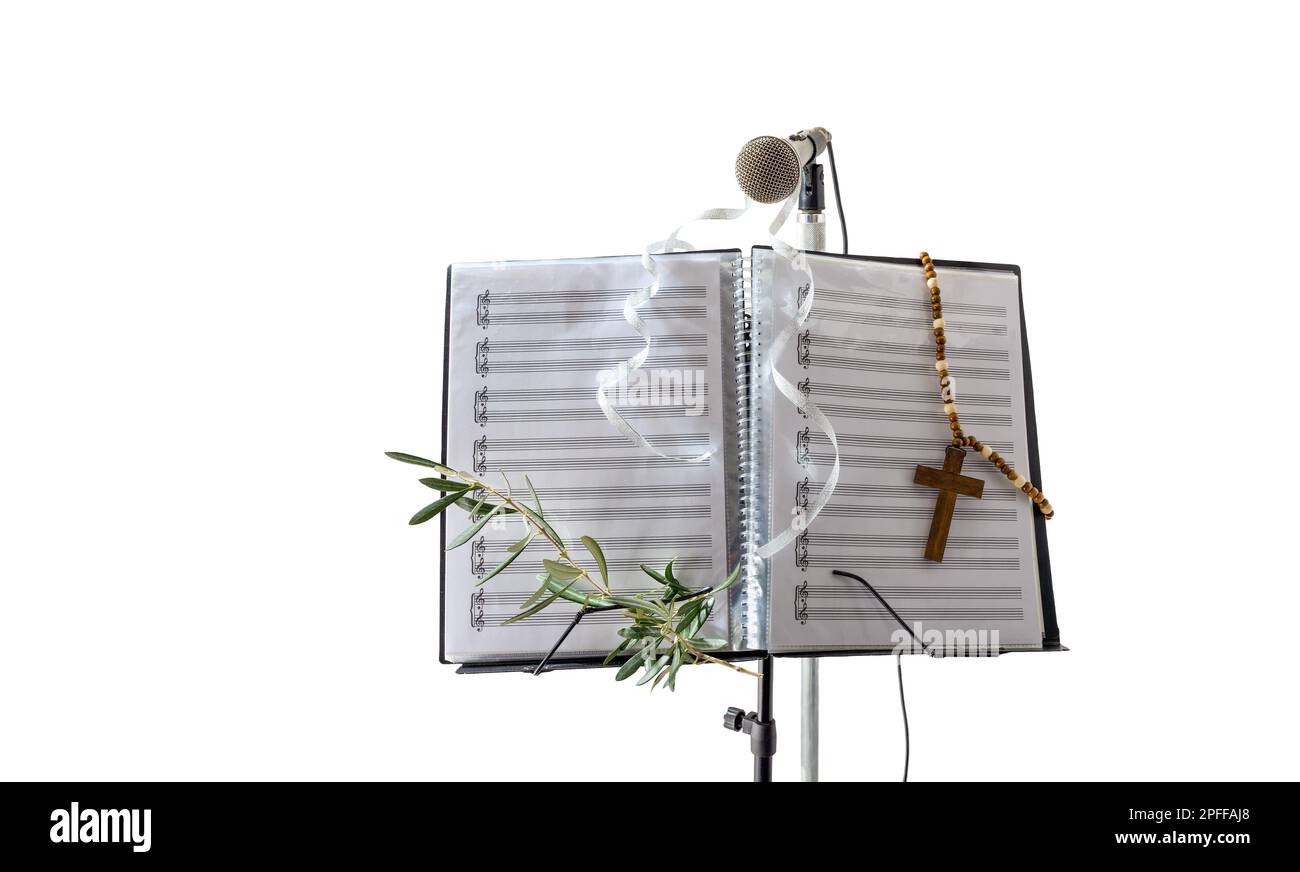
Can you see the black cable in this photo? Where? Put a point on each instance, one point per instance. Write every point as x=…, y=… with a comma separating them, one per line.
x=902, y=699
x=885, y=603
x=839, y=204
x=907, y=734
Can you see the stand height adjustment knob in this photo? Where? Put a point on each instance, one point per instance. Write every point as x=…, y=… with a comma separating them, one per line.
x=762, y=734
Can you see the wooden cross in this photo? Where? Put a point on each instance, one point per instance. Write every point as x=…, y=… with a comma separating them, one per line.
x=949, y=484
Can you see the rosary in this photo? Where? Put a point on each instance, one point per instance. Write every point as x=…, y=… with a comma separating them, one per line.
x=948, y=480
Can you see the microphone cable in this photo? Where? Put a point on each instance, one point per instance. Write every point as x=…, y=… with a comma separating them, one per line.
x=907, y=734
x=902, y=699
x=839, y=204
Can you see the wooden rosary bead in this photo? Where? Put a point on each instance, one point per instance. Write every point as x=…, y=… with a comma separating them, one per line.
x=960, y=439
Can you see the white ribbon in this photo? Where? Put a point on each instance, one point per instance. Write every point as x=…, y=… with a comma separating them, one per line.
x=636, y=300
x=799, y=262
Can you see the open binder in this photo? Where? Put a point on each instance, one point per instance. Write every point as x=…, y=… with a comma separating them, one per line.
x=527, y=343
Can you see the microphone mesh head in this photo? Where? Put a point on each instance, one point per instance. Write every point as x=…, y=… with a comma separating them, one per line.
x=767, y=169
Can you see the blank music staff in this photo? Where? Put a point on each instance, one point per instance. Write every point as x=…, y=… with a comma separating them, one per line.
x=530, y=343
x=865, y=356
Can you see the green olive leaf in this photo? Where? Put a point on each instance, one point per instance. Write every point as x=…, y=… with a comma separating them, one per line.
x=434, y=509
x=599, y=556
x=420, y=461
x=541, y=522
x=444, y=484
x=532, y=490
x=471, y=531
x=528, y=613
x=561, y=571
x=510, y=558
x=537, y=594
x=705, y=644
x=729, y=581
x=622, y=646
x=565, y=591
x=653, y=669
x=626, y=670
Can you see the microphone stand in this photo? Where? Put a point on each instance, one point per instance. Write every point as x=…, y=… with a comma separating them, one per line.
x=760, y=725
x=812, y=237
x=812, y=208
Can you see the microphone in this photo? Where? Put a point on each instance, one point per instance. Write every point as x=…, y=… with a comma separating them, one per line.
x=768, y=167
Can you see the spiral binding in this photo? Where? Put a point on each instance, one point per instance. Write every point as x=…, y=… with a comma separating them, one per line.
x=747, y=619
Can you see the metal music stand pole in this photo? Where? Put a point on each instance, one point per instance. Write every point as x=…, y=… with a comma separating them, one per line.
x=759, y=725
x=812, y=237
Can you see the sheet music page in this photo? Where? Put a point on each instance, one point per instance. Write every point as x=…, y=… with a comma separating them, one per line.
x=527, y=342
x=866, y=358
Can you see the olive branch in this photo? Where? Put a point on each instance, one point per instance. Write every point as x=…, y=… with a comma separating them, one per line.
x=666, y=623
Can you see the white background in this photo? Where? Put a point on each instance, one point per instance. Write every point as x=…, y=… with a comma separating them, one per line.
x=224, y=230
